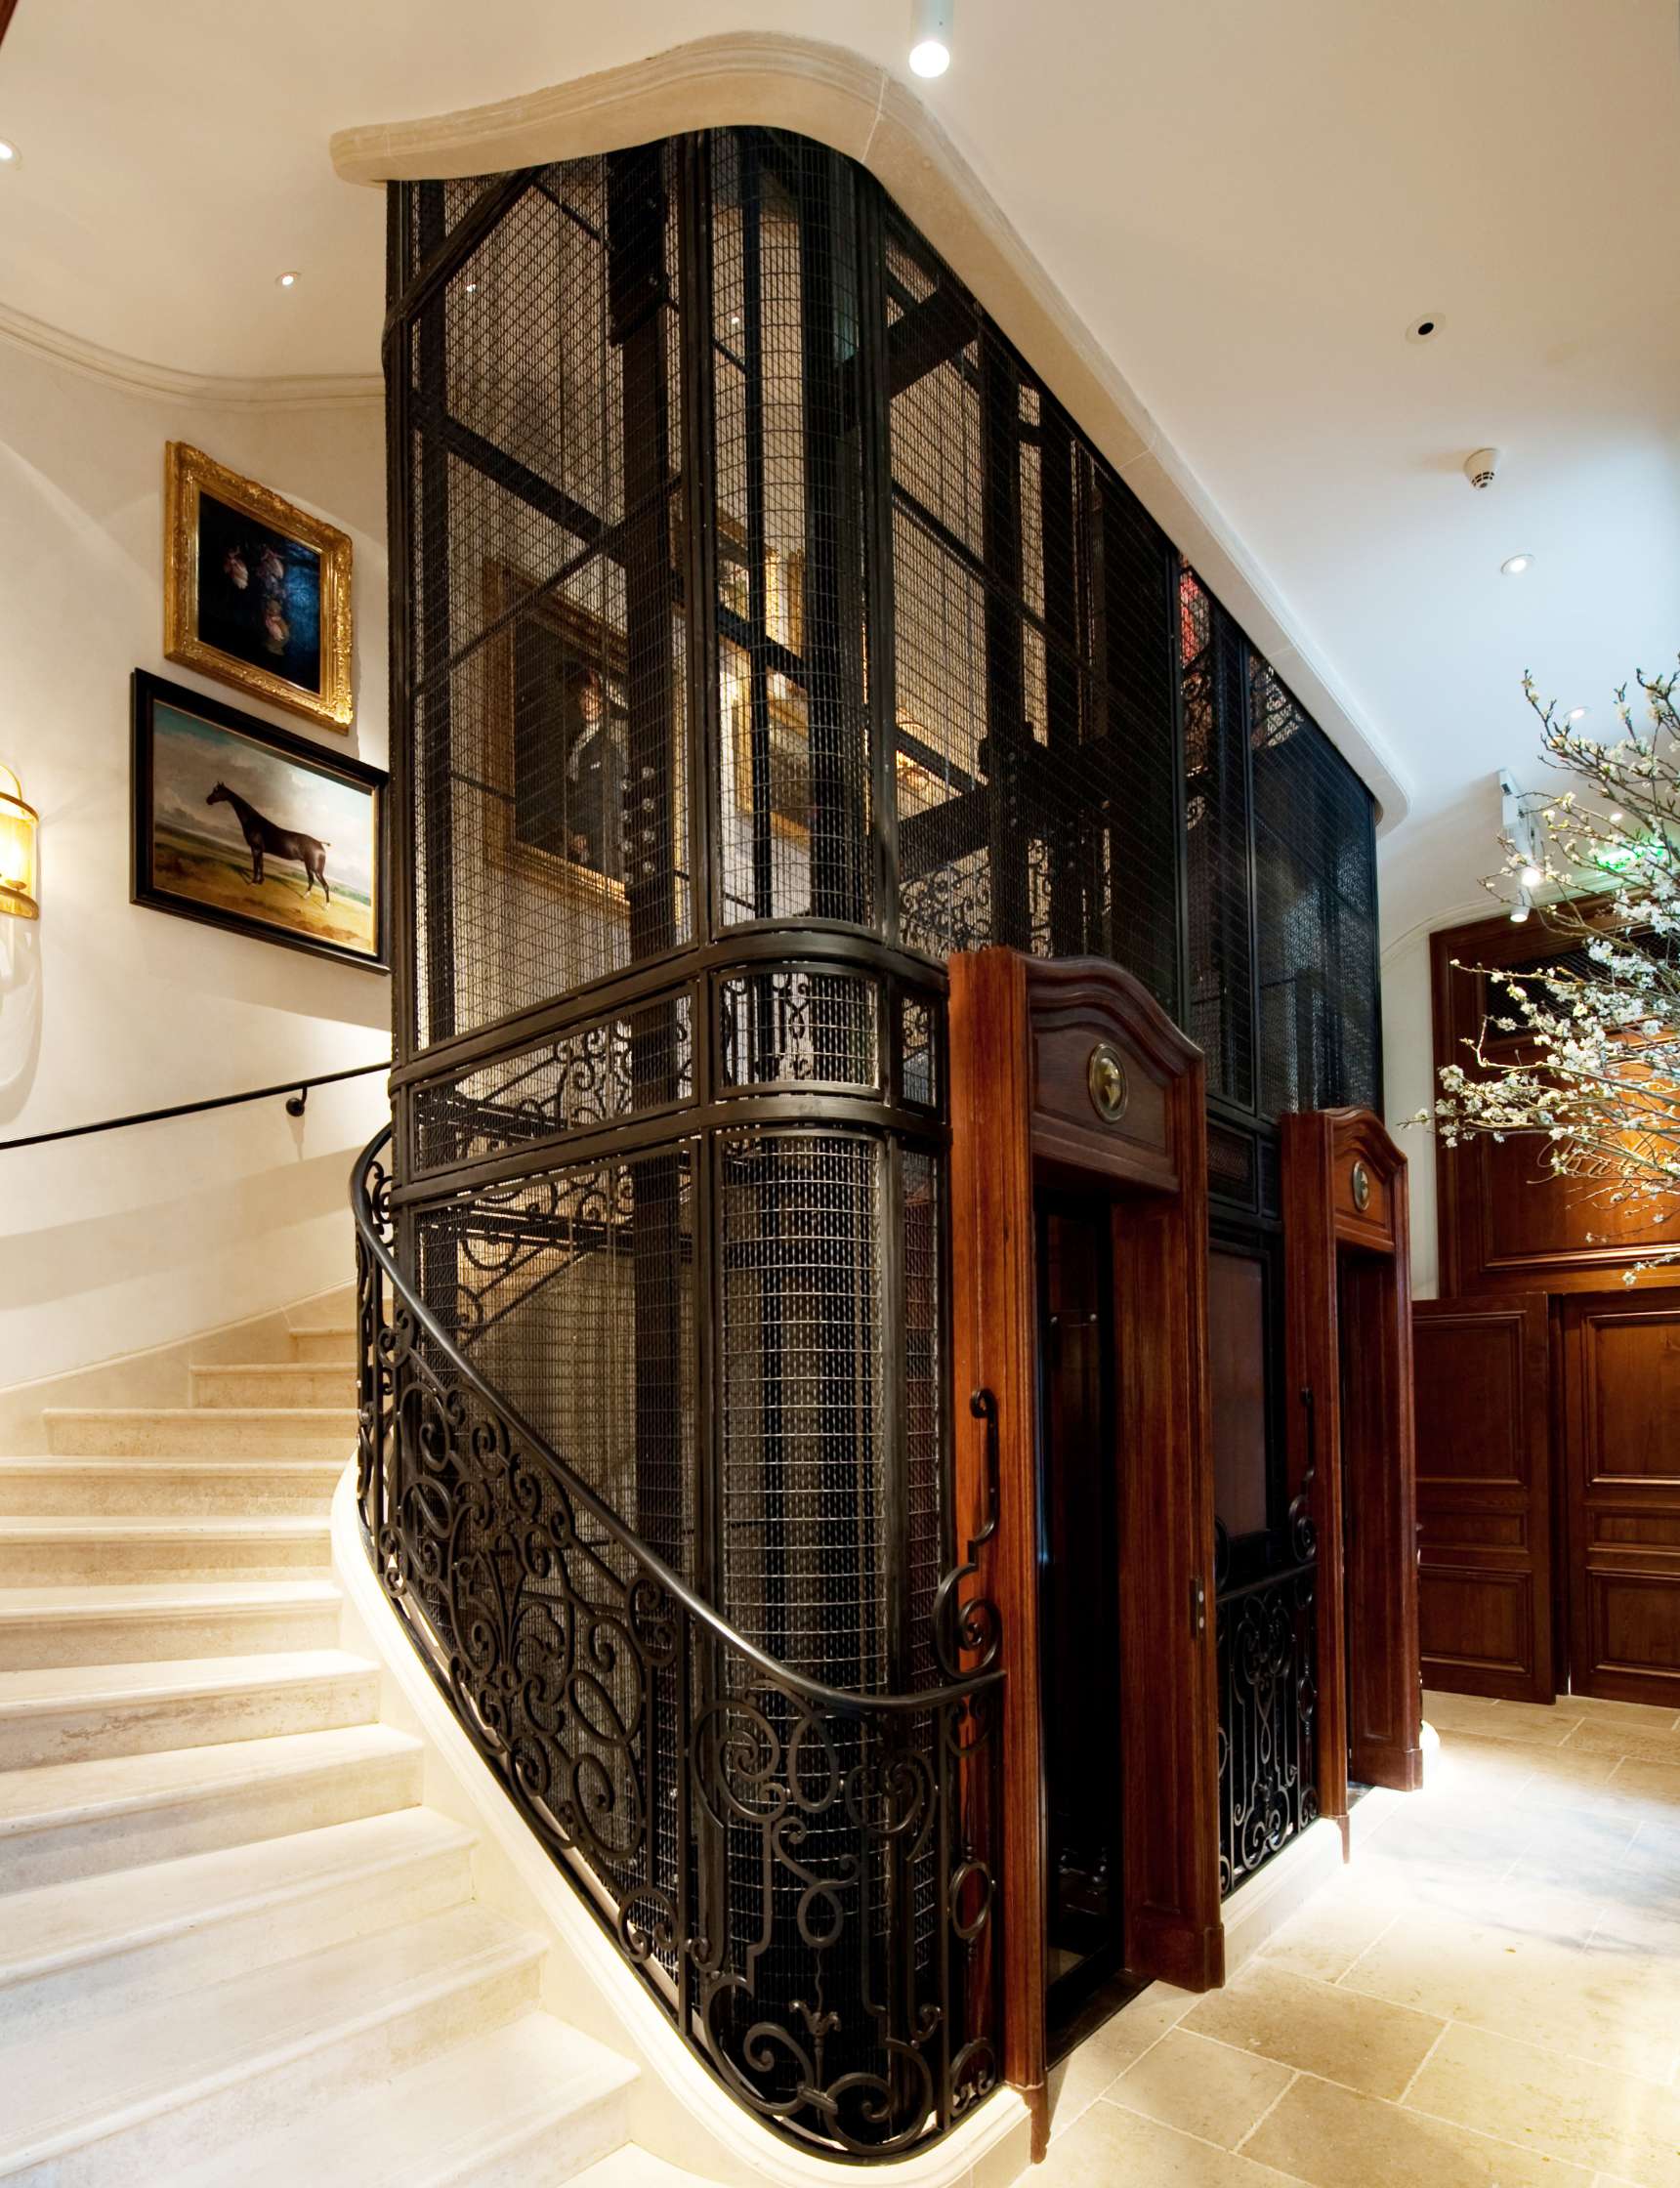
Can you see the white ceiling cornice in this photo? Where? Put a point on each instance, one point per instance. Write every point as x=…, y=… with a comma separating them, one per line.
x=322, y=390
x=854, y=107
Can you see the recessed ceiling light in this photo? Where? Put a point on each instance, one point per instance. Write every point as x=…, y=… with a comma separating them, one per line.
x=1618, y=816
x=285, y=280
x=1424, y=329
x=930, y=36
x=1531, y=877
x=472, y=288
x=9, y=152
x=1579, y=713
x=1516, y=566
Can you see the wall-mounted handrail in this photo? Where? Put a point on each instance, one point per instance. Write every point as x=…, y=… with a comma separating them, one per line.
x=298, y=1089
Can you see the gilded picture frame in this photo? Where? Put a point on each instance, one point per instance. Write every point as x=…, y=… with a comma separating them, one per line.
x=528, y=827
x=256, y=591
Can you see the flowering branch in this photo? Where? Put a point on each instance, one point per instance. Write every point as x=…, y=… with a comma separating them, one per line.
x=1581, y=1054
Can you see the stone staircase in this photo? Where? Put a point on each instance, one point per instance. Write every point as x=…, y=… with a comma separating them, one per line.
x=235, y=1946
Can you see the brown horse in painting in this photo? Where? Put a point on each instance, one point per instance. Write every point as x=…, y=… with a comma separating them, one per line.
x=266, y=836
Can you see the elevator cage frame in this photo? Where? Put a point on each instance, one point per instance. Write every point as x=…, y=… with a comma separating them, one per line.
x=765, y=632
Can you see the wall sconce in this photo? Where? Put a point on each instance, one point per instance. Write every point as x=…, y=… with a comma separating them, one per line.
x=18, y=824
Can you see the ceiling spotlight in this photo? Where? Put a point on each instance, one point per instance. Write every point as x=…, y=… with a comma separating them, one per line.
x=1516, y=566
x=471, y=287
x=930, y=36
x=1616, y=815
x=1531, y=877
x=285, y=280
x=8, y=153
x=1518, y=913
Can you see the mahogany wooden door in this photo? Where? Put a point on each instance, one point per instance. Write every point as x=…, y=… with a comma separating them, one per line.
x=1484, y=1496
x=1066, y=1078
x=1619, y=1418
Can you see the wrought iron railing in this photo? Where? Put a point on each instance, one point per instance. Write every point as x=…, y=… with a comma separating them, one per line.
x=1268, y=1785
x=800, y=1875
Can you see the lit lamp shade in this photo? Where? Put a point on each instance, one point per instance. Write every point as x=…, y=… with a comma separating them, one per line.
x=18, y=824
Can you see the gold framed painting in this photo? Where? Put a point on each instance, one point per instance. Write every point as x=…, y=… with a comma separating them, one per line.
x=255, y=592
x=558, y=739
x=789, y=756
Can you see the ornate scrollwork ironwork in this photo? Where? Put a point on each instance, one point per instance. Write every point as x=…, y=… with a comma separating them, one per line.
x=797, y=1873
x=1267, y=1701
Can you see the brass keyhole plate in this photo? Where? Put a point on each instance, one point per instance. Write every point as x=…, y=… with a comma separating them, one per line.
x=1106, y=1076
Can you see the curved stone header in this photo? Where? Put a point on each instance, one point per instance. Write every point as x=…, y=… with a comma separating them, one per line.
x=854, y=107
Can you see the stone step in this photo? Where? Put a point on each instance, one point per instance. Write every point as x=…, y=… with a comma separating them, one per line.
x=631, y=2167
x=324, y=1348
x=105, y=1943
x=96, y=1711
x=295, y=1383
x=162, y=1621
x=154, y=1488
x=528, y=2105
x=80, y=1819
x=333, y=1310
x=41, y=1552
x=200, y=1431
x=143, y=2095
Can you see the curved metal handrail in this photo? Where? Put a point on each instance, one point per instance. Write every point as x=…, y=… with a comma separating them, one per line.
x=580, y=1492
x=799, y=1872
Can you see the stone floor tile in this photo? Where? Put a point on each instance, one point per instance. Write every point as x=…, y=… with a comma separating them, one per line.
x=1205, y=2089
x=1644, y=1716
x=1578, y=2111
x=1655, y=1781
x=1602, y=2000
x=1320, y=2027
x=1078, y=2081
x=1624, y=1740
x=1110, y=2147
x=1338, y=2138
x=1335, y=1926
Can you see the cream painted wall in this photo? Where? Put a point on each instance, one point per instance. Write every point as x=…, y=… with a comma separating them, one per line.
x=132, y=1240
x=1429, y=877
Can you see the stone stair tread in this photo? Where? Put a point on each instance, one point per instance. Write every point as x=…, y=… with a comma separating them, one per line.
x=421, y=2125
x=188, y=1527
x=62, y=1925
x=633, y=2168
x=163, y=1466
x=222, y=1415
x=74, y=2086
x=82, y=1685
x=267, y=1366
x=60, y=1793
x=160, y=1599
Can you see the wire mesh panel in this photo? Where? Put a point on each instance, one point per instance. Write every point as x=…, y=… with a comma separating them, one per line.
x=794, y=775
x=1219, y=1004
x=1315, y=862
x=548, y=696
x=1034, y=753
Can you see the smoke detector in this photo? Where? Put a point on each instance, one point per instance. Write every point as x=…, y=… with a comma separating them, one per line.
x=1481, y=467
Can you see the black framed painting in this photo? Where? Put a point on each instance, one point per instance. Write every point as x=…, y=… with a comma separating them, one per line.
x=244, y=827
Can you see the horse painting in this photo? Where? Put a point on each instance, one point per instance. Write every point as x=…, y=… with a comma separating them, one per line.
x=267, y=838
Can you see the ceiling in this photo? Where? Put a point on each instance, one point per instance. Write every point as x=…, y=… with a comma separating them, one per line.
x=1249, y=206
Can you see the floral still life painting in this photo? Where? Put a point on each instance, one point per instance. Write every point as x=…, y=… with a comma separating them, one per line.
x=247, y=827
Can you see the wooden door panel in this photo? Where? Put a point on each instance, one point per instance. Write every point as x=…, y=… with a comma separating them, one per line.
x=1484, y=1502
x=1620, y=1413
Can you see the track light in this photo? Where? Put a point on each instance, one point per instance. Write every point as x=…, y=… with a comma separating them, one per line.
x=930, y=36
